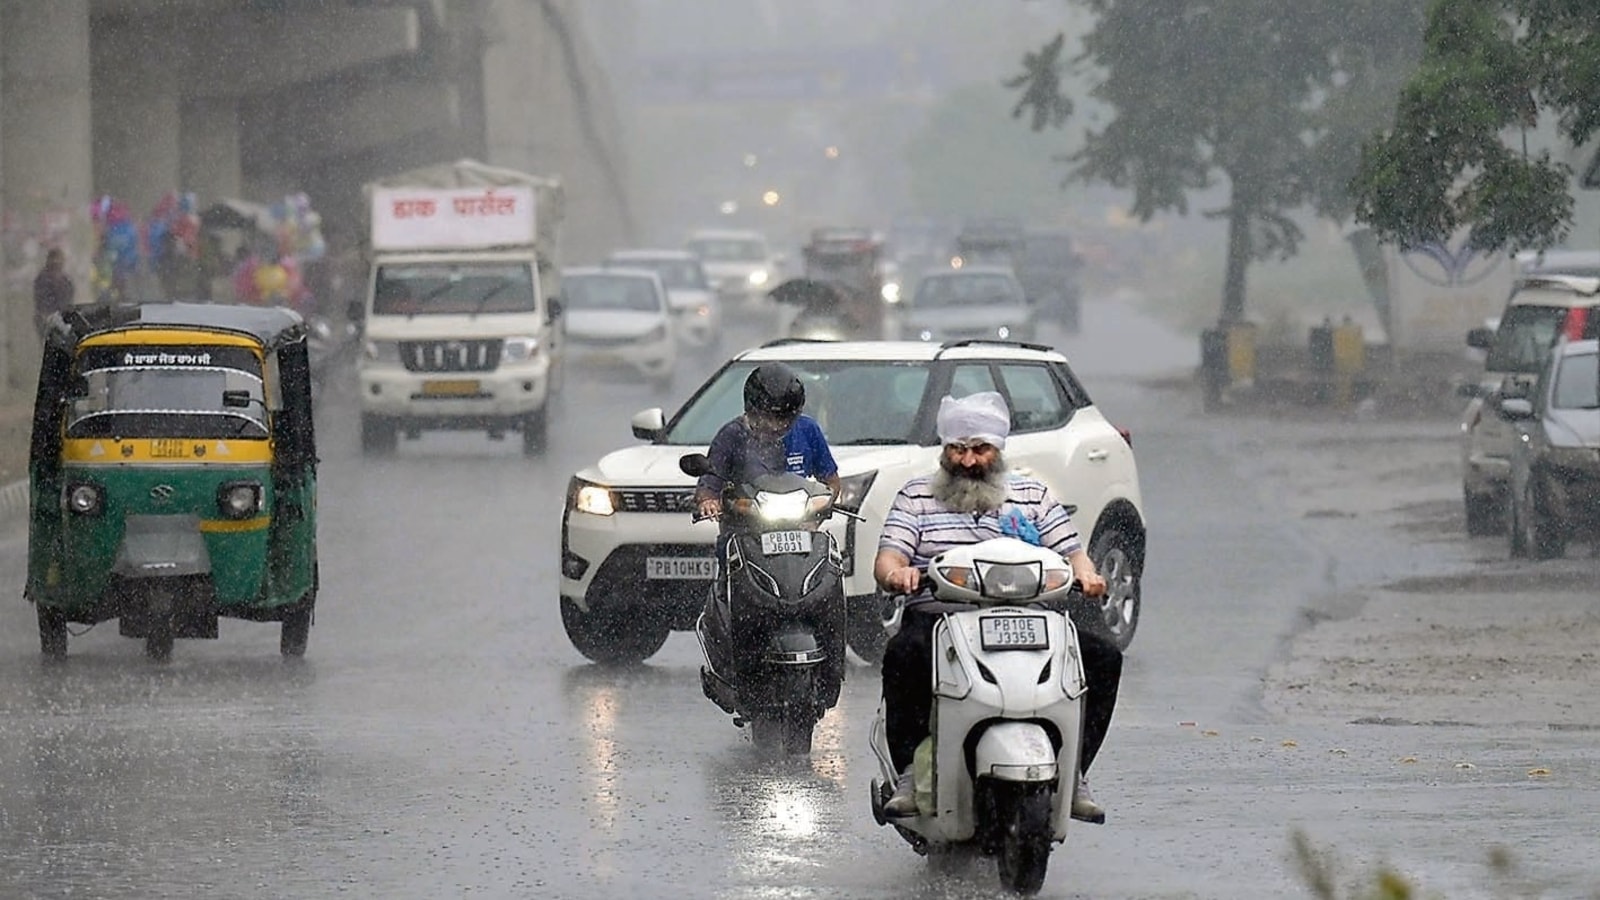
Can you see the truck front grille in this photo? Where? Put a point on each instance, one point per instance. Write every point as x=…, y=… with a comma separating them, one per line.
x=451, y=356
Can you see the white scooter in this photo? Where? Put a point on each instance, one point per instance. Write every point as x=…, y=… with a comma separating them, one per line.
x=1007, y=713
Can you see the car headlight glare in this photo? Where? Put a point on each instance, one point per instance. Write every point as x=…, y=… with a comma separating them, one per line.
x=926, y=335
x=759, y=277
x=702, y=311
x=1003, y=331
x=594, y=500
x=520, y=349
x=239, y=500
x=83, y=499
x=891, y=293
x=786, y=507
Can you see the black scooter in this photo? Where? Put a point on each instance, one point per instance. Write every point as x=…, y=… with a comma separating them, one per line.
x=773, y=630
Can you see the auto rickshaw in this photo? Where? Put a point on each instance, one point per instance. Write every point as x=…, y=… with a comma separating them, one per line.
x=173, y=474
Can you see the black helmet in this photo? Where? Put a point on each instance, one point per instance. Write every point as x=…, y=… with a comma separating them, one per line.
x=775, y=389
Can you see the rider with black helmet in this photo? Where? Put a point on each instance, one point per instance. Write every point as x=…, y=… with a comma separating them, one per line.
x=771, y=437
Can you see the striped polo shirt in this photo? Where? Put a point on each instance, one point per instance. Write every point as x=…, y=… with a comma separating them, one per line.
x=920, y=529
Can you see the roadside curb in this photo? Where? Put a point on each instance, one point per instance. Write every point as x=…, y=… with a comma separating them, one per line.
x=14, y=502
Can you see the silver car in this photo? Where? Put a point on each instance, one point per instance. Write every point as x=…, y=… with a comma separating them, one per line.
x=1555, y=459
x=970, y=303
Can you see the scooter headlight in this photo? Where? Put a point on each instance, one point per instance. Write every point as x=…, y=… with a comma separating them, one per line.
x=1010, y=581
x=239, y=500
x=786, y=507
x=83, y=499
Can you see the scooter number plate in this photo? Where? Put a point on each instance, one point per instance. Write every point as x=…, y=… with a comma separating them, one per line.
x=774, y=543
x=1014, y=633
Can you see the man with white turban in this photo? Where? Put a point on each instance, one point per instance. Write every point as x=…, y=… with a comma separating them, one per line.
x=974, y=498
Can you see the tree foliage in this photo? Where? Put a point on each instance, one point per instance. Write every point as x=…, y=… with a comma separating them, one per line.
x=1261, y=93
x=1489, y=68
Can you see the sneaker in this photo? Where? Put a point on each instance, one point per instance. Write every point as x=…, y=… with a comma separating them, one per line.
x=903, y=804
x=1084, y=809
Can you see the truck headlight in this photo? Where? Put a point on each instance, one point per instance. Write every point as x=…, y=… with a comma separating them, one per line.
x=594, y=499
x=759, y=277
x=239, y=500
x=83, y=499
x=520, y=349
x=382, y=351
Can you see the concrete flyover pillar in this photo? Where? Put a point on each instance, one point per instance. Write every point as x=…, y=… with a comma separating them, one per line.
x=136, y=121
x=46, y=169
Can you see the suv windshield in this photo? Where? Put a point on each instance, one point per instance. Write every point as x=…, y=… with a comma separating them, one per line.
x=965, y=290
x=1523, y=341
x=167, y=391
x=728, y=250
x=855, y=402
x=675, y=274
x=453, y=289
x=610, y=292
x=1577, y=382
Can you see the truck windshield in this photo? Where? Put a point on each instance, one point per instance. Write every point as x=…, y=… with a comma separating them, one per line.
x=148, y=392
x=856, y=402
x=453, y=289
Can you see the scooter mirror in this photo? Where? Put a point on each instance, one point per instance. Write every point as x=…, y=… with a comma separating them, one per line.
x=694, y=464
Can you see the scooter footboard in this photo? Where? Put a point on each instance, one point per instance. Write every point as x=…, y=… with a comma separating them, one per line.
x=1015, y=751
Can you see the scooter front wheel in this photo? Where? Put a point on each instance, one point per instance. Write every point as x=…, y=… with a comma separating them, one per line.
x=1025, y=841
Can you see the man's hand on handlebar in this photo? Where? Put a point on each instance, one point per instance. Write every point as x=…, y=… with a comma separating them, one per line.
x=903, y=580
x=708, y=508
x=1092, y=584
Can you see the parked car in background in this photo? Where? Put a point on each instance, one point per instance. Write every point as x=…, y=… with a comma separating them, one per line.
x=1555, y=459
x=620, y=317
x=1049, y=275
x=1541, y=310
x=738, y=263
x=696, y=311
x=634, y=567
x=973, y=302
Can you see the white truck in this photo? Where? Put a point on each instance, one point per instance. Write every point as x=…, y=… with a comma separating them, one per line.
x=461, y=305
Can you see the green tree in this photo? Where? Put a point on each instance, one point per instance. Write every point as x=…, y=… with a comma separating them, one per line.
x=1489, y=69
x=1260, y=93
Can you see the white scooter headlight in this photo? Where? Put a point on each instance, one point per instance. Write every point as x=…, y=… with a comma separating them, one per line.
x=786, y=507
x=1010, y=581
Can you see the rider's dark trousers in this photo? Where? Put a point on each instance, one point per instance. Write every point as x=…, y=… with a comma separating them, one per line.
x=908, y=687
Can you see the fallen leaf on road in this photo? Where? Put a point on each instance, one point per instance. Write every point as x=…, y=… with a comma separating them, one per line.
x=1258, y=740
x=1408, y=759
x=1291, y=743
x=1210, y=733
x=1539, y=773
x=1465, y=765
x=1339, y=751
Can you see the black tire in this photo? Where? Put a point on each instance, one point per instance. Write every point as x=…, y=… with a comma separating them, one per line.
x=296, y=632
x=1025, y=841
x=52, y=632
x=786, y=734
x=536, y=432
x=1485, y=513
x=158, y=638
x=864, y=629
x=1533, y=531
x=379, y=435
x=1119, y=557
x=615, y=638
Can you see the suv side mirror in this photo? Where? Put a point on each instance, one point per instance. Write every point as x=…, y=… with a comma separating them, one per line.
x=355, y=311
x=1516, y=409
x=649, y=424
x=555, y=308
x=1480, y=338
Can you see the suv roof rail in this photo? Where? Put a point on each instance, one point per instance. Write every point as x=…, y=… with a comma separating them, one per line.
x=970, y=342
x=786, y=341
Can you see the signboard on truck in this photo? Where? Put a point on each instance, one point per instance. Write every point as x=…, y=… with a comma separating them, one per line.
x=421, y=218
x=1429, y=295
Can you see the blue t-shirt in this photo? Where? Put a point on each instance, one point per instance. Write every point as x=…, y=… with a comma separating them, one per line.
x=739, y=454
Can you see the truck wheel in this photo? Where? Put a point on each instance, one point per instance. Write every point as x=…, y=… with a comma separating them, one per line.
x=612, y=639
x=52, y=632
x=535, y=432
x=379, y=435
x=1541, y=536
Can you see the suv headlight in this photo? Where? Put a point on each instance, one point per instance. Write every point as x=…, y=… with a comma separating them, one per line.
x=239, y=500
x=591, y=498
x=382, y=351
x=520, y=349
x=853, y=490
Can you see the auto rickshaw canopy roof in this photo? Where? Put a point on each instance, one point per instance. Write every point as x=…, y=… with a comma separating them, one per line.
x=272, y=326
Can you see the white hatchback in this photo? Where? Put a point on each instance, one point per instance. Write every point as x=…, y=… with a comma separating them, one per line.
x=696, y=310
x=634, y=568
x=619, y=317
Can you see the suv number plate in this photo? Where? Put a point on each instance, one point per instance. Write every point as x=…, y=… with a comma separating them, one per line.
x=775, y=542
x=1014, y=633
x=681, y=568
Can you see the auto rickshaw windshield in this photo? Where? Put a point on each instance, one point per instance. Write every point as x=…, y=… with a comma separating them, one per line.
x=132, y=393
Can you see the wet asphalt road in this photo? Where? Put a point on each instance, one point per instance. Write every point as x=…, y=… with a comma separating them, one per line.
x=443, y=739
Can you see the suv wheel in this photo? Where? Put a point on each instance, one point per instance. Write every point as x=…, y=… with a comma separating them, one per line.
x=1485, y=512
x=1533, y=532
x=614, y=638
x=1117, y=556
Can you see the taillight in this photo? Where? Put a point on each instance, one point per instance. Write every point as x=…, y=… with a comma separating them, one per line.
x=1577, y=320
x=1126, y=435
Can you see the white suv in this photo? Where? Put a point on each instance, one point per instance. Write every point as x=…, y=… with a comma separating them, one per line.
x=634, y=568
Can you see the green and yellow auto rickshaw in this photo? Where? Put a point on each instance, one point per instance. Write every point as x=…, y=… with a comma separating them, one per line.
x=173, y=470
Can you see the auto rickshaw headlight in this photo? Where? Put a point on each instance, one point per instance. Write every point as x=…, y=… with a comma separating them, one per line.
x=239, y=500
x=83, y=499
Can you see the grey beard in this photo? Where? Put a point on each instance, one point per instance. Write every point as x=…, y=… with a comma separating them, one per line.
x=961, y=494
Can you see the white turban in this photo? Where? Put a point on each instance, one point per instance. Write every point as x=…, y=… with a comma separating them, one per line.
x=976, y=417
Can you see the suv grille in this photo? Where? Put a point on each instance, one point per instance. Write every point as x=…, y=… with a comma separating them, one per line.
x=451, y=356
x=662, y=500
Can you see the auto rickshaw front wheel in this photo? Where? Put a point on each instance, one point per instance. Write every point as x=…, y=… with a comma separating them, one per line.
x=52, y=632
x=296, y=631
x=158, y=625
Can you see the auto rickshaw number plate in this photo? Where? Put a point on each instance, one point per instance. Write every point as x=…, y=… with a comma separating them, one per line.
x=169, y=448
x=776, y=542
x=450, y=388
